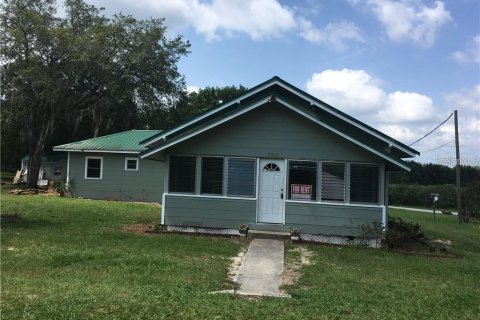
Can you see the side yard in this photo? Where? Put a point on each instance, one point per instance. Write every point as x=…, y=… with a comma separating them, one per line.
x=68, y=258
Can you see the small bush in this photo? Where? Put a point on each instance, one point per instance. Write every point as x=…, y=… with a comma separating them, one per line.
x=400, y=232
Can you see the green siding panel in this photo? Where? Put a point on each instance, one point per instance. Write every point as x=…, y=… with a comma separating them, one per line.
x=145, y=185
x=209, y=212
x=330, y=219
x=274, y=131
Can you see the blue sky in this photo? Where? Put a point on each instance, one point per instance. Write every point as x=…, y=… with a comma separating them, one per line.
x=400, y=66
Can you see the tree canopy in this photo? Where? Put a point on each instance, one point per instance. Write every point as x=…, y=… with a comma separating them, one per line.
x=81, y=72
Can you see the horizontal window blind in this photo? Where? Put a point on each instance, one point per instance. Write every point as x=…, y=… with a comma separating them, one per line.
x=241, y=177
x=212, y=175
x=333, y=181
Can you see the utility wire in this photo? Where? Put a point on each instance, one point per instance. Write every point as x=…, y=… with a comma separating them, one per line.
x=436, y=148
x=451, y=114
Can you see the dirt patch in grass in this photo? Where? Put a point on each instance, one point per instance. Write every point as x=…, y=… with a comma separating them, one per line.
x=294, y=262
x=139, y=228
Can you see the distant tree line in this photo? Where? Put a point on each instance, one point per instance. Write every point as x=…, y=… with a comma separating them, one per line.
x=434, y=174
x=415, y=188
x=84, y=75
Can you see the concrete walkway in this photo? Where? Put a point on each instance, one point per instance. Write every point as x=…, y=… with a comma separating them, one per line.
x=261, y=270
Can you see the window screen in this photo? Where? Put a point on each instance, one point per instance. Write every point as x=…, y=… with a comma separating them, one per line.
x=333, y=181
x=94, y=168
x=241, y=177
x=364, y=183
x=131, y=164
x=212, y=175
x=182, y=174
x=302, y=180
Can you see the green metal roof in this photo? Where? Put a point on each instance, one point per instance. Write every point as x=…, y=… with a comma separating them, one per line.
x=126, y=141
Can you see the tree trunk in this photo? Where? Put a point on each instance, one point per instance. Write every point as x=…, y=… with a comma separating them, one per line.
x=34, y=153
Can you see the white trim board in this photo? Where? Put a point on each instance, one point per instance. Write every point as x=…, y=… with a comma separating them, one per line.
x=298, y=93
x=96, y=151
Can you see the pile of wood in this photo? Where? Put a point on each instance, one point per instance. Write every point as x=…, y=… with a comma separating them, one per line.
x=25, y=191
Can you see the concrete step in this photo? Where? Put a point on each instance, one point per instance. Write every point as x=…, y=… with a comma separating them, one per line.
x=262, y=234
x=270, y=227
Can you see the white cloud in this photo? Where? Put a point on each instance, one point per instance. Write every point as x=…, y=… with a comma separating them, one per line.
x=471, y=52
x=354, y=91
x=409, y=20
x=191, y=89
x=399, y=132
x=259, y=19
x=407, y=107
x=334, y=34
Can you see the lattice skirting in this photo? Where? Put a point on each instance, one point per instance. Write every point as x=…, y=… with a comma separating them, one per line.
x=204, y=230
x=340, y=240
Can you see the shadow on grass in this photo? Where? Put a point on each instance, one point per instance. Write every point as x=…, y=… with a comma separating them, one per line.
x=16, y=221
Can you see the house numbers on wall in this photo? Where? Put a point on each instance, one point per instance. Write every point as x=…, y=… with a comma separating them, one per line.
x=273, y=155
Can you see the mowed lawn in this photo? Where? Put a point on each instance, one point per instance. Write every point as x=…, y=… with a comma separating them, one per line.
x=70, y=259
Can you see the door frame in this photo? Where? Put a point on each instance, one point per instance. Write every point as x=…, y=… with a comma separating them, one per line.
x=285, y=191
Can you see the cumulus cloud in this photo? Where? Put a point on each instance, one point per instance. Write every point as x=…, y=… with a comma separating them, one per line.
x=407, y=107
x=407, y=20
x=335, y=34
x=258, y=19
x=405, y=116
x=471, y=52
x=355, y=91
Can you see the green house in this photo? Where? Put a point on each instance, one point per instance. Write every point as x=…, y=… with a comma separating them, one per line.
x=109, y=167
x=275, y=158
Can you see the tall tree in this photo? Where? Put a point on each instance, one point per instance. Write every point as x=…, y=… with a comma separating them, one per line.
x=84, y=69
x=196, y=102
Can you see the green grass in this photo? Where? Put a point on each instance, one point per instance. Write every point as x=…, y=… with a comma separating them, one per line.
x=70, y=259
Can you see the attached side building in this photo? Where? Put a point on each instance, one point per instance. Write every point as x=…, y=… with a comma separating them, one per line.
x=276, y=157
x=109, y=167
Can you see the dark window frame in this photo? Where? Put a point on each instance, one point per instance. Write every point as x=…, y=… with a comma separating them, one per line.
x=233, y=194
x=315, y=185
x=323, y=181
x=89, y=168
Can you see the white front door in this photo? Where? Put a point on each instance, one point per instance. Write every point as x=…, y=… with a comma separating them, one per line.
x=271, y=193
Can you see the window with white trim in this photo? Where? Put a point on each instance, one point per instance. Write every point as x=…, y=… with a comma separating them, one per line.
x=241, y=177
x=364, y=183
x=131, y=164
x=333, y=181
x=212, y=175
x=302, y=180
x=93, y=167
x=181, y=174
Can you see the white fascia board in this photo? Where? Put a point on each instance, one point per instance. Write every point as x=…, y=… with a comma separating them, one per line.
x=288, y=105
x=312, y=102
x=97, y=151
x=253, y=106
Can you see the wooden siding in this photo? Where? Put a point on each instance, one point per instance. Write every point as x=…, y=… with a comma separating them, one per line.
x=209, y=212
x=328, y=219
x=146, y=184
x=274, y=131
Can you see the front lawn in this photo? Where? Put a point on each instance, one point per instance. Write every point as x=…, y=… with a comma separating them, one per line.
x=70, y=259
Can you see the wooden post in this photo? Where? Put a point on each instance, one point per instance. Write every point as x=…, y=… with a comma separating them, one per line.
x=457, y=151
